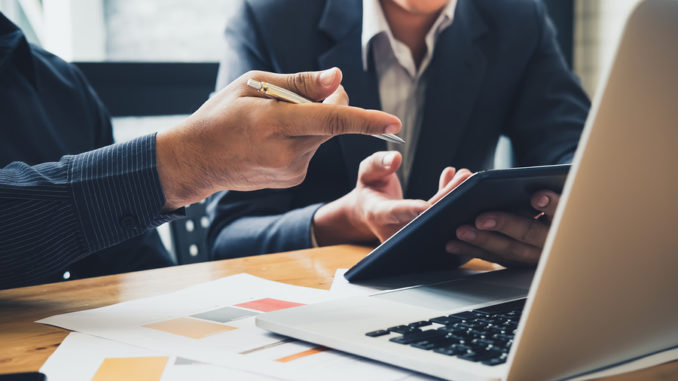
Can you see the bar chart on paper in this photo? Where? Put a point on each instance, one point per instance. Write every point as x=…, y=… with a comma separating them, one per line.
x=213, y=323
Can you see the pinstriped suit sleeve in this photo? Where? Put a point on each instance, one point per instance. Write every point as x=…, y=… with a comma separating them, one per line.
x=53, y=214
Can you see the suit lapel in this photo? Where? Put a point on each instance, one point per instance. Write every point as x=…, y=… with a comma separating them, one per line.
x=342, y=21
x=454, y=78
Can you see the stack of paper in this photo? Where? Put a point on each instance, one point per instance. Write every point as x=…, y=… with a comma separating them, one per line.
x=202, y=332
x=207, y=332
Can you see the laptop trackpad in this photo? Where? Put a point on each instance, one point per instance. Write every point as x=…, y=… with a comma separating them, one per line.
x=458, y=293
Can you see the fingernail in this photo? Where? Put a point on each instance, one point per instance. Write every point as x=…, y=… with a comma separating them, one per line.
x=388, y=160
x=453, y=248
x=466, y=234
x=543, y=201
x=487, y=223
x=392, y=128
x=327, y=77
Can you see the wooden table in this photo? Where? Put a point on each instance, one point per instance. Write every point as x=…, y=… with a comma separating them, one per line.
x=25, y=345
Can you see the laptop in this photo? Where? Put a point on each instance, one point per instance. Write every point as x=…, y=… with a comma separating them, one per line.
x=604, y=291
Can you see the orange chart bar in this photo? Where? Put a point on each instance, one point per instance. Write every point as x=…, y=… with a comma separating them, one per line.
x=131, y=369
x=299, y=355
x=268, y=305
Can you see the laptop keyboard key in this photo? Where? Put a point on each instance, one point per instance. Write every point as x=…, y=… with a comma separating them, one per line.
x=402, y=329
x=413, y=337
x=494, y=361
x=377, y=333
x=444, y=320
x=418, y=324
x=439, y=342
x=466, y=315
x=484, y=335
x=449, y=351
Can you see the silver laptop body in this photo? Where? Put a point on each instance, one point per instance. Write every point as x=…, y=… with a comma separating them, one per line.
x=605, y=289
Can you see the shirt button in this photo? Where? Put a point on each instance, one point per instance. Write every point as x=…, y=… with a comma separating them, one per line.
x=129, y=222
x=67, y=275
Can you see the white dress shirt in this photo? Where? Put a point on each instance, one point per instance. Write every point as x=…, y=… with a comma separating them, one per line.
x=402, y=86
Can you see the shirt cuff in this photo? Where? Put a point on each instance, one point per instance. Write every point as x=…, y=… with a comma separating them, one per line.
x=117, y=192
x=314, y=240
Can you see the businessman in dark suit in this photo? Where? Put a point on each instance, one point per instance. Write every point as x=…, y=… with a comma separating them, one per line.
x=459, y=73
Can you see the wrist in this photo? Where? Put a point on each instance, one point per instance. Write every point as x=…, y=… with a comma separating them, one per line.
x=338, y=222
x=178, y=179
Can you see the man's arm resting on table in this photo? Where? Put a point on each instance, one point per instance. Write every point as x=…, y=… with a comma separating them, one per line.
x=250, y=223
x=53, y=214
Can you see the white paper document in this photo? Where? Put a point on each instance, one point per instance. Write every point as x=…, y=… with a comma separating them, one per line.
x=213, y=323
x=82, y=357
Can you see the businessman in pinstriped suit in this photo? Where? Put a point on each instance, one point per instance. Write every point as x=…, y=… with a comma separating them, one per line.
x=61, y=208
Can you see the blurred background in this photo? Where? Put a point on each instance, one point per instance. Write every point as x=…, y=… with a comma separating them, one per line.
x=190, y=30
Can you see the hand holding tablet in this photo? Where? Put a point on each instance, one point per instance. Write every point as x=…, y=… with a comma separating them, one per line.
x=421, y=245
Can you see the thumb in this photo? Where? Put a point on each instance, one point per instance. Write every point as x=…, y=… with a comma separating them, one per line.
x=378, y=166
x=314, y=85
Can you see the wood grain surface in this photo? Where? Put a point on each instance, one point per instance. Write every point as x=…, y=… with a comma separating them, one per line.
x=25, y=345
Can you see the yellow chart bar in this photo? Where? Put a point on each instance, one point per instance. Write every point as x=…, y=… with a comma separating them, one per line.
x=187, y=327
x=131, y=369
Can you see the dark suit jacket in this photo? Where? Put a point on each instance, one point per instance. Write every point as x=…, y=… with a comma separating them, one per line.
x=496, y=70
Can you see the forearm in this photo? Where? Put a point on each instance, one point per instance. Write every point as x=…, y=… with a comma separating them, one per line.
x=253, y=235
x=53, y=214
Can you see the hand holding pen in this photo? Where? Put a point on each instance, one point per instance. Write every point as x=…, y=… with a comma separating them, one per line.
x=283, y=94
x=240, y=141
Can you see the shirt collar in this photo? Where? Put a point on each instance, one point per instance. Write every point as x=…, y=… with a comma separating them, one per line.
x=14, y=47
x=375, y=23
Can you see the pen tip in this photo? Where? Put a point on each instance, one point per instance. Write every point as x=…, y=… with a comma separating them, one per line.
x=254, y=84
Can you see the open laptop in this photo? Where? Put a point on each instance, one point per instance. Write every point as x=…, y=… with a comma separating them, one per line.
x=605, y=289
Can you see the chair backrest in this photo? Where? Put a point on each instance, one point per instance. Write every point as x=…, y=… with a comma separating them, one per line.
x=151, y=88
x=189, y=234
x=158, y=89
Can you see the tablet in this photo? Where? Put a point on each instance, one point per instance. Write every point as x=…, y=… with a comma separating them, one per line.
x=420, y=245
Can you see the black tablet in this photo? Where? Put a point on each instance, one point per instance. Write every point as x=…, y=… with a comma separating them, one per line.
x=420, y=245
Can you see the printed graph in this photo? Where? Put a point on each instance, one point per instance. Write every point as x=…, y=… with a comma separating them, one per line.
x=131, y=369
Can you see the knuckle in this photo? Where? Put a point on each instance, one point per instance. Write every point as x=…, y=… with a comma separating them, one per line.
x=299, y=82
x=367, y=163
x=252, y=74
x=519, y=251
x=363, y=167
x=300, y=177
x=343, y=95
x=529, y=234
x=334, y=123
x=371, y=216
x=288, y=159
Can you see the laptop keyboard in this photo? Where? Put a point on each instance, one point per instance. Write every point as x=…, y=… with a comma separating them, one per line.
x=484, y=335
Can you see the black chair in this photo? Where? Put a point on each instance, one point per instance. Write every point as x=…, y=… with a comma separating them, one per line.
x=156, y=89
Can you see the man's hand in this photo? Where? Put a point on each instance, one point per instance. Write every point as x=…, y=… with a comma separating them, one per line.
x=239, y=140
x=375, y=208
x=505, y=238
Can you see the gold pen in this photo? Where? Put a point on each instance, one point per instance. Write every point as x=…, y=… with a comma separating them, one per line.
x=279, y=93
